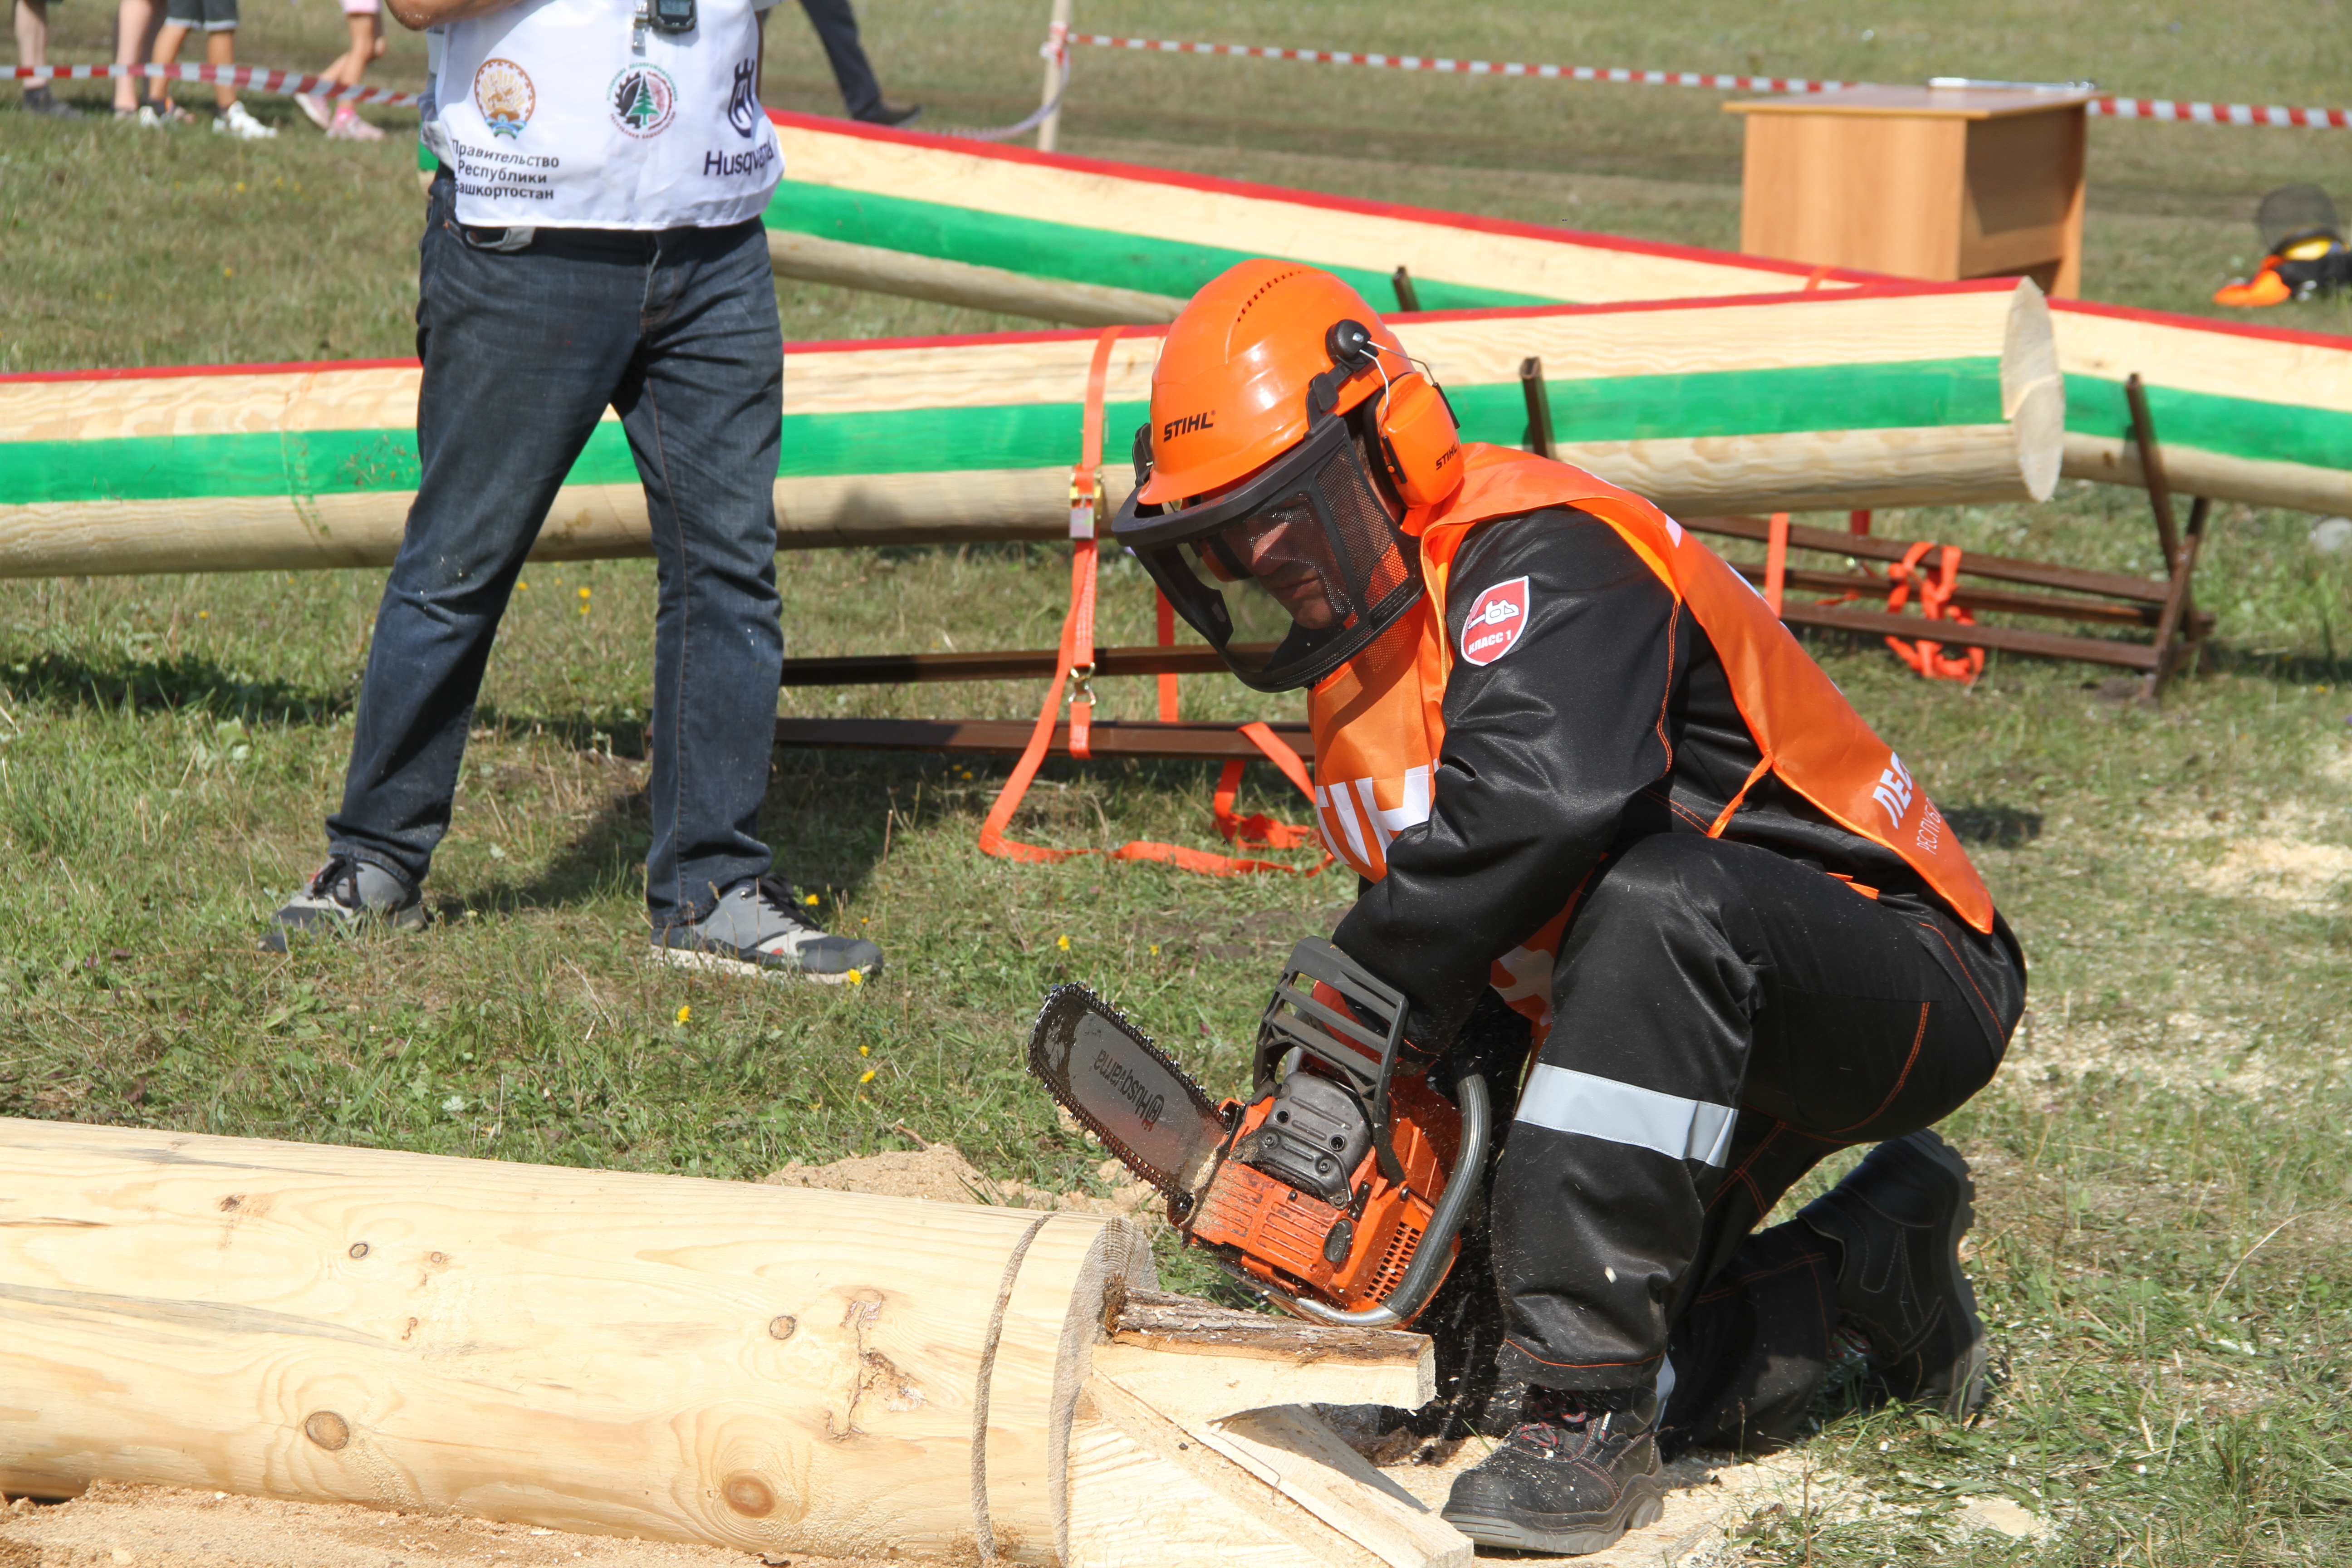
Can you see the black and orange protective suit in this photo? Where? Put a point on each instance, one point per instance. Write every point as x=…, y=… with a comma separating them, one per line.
x=1606, y=809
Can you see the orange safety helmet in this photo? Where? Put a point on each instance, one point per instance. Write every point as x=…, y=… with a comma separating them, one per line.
x=1251, y=468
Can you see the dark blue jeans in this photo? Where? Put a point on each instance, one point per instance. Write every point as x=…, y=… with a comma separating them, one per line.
x=522, y=350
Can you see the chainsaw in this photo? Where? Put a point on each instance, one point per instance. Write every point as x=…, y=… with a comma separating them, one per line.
x=1337, y=1189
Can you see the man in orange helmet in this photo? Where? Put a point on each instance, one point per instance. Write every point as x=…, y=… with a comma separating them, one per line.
x=1609, y=815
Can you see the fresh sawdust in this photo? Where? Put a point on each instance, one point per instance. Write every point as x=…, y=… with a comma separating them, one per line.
x=2289, y=865
x=2292, y=854
x=1711, y=1494
x=116, y=1526
x=940, y=1173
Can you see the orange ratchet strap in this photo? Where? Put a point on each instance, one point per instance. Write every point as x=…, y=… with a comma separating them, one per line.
x=1164, y=634
x=1078, y=643
x=1924, y=654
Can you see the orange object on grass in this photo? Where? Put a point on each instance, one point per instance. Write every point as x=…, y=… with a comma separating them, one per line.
x=2264, y=287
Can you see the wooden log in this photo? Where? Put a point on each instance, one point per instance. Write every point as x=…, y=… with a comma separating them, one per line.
x=2254, y=413
x=776, y=1369
x=2257, y=415
x=1159, y=232
x=813, y=259
x=1903, y=396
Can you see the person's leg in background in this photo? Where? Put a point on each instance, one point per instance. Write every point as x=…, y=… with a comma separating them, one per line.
x=181, y=18
x=136, y=23
x=1711, y=999
x=367, y=42
x=704, y=418
x=32, y=50
x=703, y=409
x=560, y=326
x=339, y=118
x=220, y=50
x=836, y=28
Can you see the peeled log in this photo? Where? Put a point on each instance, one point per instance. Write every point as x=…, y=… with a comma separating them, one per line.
x=2258, y=414
x=812, y=259
x=1082, y=230
x=776, y=1369
x=2254, y=413
x=1908, y=395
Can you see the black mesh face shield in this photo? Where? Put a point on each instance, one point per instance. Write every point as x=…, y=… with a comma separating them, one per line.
x=1289, y=574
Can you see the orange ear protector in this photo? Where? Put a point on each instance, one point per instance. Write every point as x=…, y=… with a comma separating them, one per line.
x=1420, y=439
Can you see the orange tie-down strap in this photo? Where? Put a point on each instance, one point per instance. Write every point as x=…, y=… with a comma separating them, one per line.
x=1924, y=654
x=1256, y=830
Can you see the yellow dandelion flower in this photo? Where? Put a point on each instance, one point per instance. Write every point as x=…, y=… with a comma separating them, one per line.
x=856, y=977
x=583, y=592
x=866, y=1050
x=1155, y=950
x=866, y=1076
x=522, y=587
x=809, y=898
x=1063, y=942
x=685, y=1014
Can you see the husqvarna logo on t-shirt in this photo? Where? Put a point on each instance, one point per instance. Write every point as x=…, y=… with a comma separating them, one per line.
x=1498, y=616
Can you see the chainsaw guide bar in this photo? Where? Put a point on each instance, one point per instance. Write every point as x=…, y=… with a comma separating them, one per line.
x=1127, y=1092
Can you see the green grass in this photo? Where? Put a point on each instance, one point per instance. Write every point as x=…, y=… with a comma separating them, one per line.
x=2166, y=1241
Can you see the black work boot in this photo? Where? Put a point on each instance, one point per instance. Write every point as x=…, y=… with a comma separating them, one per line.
x=1899, y=1218
x=1570, y=1479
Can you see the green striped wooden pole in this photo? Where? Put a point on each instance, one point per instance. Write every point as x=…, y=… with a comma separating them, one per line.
x=2255, y=414
x=1910, y=395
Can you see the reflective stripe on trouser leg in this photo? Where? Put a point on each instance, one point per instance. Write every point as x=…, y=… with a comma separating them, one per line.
x=1567, y=1100
x=1593, y=1239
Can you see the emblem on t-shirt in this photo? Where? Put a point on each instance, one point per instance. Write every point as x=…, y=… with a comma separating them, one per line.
x=503, y=93
x=743, y=103
x=644, y=101
x=1498, y=616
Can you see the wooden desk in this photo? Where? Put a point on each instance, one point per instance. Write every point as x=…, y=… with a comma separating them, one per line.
x=1939, y=183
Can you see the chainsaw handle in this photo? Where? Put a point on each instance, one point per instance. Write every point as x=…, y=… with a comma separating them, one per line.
x=1436, y=1249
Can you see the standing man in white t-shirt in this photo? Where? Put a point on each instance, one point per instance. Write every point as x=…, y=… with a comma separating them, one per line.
x=594, y=237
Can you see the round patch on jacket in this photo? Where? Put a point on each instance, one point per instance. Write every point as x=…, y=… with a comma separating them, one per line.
x=1498, y=616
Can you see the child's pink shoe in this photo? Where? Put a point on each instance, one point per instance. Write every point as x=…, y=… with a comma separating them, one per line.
x=349, y=127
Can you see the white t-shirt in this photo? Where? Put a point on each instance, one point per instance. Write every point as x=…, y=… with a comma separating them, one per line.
x=552, y=116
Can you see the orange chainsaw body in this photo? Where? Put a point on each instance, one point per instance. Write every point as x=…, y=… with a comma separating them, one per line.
x=1348, y=1257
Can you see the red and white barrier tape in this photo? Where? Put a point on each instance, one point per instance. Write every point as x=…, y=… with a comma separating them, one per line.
x=2219, y=114
x=2106, y=107
x=253, y=77
x=1472, y=67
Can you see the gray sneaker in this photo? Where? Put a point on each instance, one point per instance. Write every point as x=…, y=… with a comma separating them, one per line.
x=37, y=101
x=344, y=893
x=758, y=929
